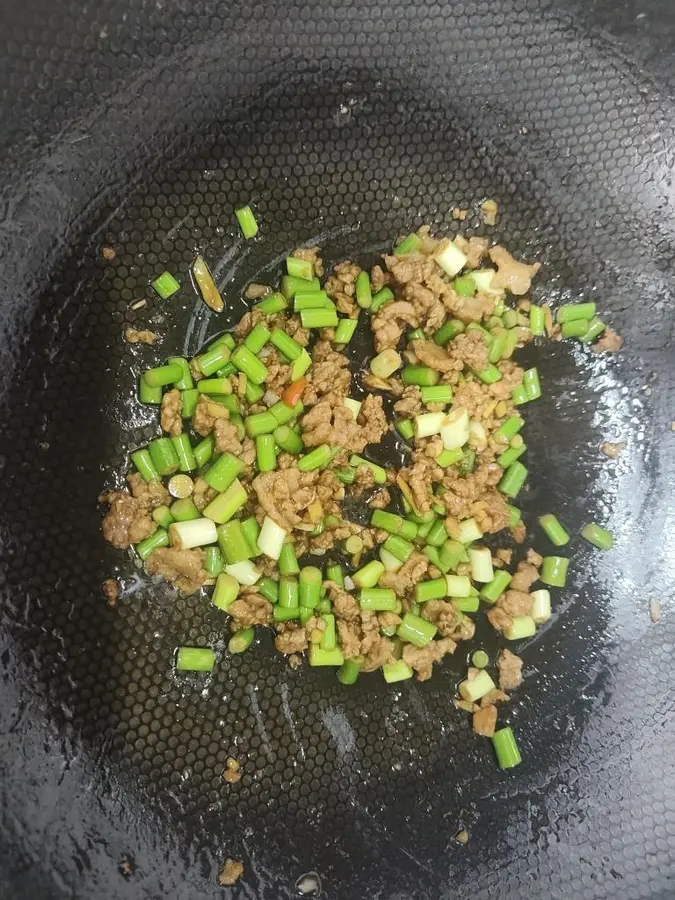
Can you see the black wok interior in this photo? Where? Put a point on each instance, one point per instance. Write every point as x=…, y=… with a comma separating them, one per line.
x=141, y=126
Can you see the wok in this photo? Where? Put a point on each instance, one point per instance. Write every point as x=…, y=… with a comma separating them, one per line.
x=139, y=126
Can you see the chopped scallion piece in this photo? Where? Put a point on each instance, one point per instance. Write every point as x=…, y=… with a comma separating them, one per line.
x=384, y=295
x=299, y=268
x=506, y=748
x=599, y=537
x=159, y=538
x=396, y=671
x=319, y=318
x=472, y=689
x=410, y=244
x=345, y=331
x=241, y=640
x=349, y=671
x=577, y=328
x=416, y=630
x=386, y=363
x=247, y=222
x=554, y=530
x=480, y=659
x=554, y=570
x=368, y=575
x=195, y=659
x=364, y=297
x=420, y=375
x=165, y=285
x=521, y=627
x=572, y=312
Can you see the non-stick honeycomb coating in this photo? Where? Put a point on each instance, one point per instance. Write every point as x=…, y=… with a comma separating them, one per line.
x=354, y=123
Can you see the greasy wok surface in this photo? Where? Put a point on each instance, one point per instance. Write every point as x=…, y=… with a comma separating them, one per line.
x=140, y=128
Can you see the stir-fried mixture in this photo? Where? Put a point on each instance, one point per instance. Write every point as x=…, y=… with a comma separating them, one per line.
x=268, y=486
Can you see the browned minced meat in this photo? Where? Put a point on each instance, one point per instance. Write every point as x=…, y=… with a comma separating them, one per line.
x=410, y=403
x=293, y=639
x=418, y=269
x=250, y=319
x=132, y=336
x=371, y=537
x=248, y=455
x=403, y=581
x=330, y=422
x=359, y=630
x=341, y=287
x=512, y=375
x=389, y=323
x=388, y=619
x=329, y=537
x=502, y=557
x=485, y=720
x=364, y=479
x=278, y=373
x=534, y=559
x=608, y=342
x=255, y=291
x=613, y=451
x=329, y=374
x=489, y=210
x=350, y=635
x=391, y=385
x=499, y=620
x=512, y=275
x=475, y=249
x=152, y=493
x=183, y=568
x=293, y=327
x=376, y=650
x=285, y=494
x=476, y=397
x=471, y=309
x=515, y=603
x=345, y=606
x=419, y=477
x=465, y=350
x=232, y=772
x=510, y=670
x=365, y=638
x=427, y=296
x=518, y=532
x=111, y=591
x=525, y=576
x=206, y=413
x=422, y=659
x=465, y=629
x=128, y=520
x=436, y=357
x=227, y=437
x=378, y=278
x=442, y=614
x=171, y=419
x=230, y=873
x=195, y=371
x=202, y=494
x=250, y=609
x=475, y=495
x=494, y=696
x=311, y=254
x=380, y=499
x=428, y=306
